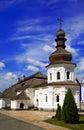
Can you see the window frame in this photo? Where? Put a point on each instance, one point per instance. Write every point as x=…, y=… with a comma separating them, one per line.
x=58, y=75
x=68, y=75
x=57, y=98
x=46, y=98
x=50, y=76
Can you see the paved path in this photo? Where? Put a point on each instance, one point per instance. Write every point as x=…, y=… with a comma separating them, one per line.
x=9, y=123
x=34, y=117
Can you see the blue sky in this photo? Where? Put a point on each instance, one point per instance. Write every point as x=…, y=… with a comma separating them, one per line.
x=27, y=33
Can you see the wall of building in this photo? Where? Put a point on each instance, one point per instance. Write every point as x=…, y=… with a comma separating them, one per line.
x=63, y=69
x=30, y=93
x=82, y=97
x=13, y=104
x=16, y=104
x=54, y=97
x=47, y=97
x=2, y=103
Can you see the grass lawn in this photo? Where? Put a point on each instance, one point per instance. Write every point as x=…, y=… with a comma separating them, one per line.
x=79, y=126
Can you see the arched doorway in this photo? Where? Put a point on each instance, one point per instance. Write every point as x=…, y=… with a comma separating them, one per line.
x=21, y=106
x=37, y=103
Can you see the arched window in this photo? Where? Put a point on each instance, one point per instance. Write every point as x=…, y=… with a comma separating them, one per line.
x=46, y=98
x=57, y=98
x=58, y=75
x=50, y=76
x=68, y=75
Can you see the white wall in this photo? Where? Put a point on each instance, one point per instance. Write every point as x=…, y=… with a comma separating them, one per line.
x=52, y=94
x=2, y=103
x=82, y=93
x=30, y=93
x=13, y=104
x=63, y=69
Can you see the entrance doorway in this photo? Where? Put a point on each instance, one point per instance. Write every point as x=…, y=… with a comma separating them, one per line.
x=21, y=106
x=37, y=103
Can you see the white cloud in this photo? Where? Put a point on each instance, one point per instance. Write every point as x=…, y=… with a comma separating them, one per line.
x=72, y=50
x=32, y=68
x=36, y=63
x=20, y=37
x=74, y=28
x=7, y=79
x=2, y=65
x=47, y=48
x=9, y=76
x=81, y=65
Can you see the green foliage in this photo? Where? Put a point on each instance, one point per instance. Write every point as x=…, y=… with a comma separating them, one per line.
x=69, y=110
x=78, y=126
x=58, y=112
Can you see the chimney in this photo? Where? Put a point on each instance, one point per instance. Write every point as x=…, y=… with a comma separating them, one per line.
x=19, y=80
x=24, y=77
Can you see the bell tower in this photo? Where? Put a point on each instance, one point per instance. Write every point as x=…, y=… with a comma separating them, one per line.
x=61, y=68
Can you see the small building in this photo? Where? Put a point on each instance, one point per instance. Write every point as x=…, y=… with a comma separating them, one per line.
x=20, y=101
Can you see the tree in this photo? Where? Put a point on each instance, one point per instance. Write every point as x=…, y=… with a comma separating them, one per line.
x=69, y=109
x=58, y=112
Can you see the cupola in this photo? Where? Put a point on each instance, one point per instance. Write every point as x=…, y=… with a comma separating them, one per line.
x=60, y=54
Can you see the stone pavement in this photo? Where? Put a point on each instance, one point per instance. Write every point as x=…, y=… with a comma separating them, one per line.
x=9, y=123
x=34, y=117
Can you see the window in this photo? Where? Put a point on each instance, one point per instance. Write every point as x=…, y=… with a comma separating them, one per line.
x=58, y=75
x=68, y=75
x=57, y=98
x=46, y=98
x=50, y=76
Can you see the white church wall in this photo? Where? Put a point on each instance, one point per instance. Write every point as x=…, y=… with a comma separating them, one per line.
x=2, y=103
x=30, y=93
x=82, y=97
x=13, y=104
x=52, y=93
x=54, y=71
x=82, y=93
x=77, y=98
x=63, y=69
x=44, y=98
x=47, y=97
x=69, y=68
x=61, y=93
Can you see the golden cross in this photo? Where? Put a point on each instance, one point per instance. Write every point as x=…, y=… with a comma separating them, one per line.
x=60, y=21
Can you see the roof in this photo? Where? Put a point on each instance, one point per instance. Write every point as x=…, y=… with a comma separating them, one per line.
x=31, y=81
x=62, y=62
x=8, y=93
x=38, y=75
x=21, y=96
x=58, y=84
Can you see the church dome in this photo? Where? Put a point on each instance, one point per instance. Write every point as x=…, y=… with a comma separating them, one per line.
x=60, y=33
x=60, y=55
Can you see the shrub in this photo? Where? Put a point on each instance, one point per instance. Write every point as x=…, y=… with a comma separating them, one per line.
x=69, y=110
x=58, y=112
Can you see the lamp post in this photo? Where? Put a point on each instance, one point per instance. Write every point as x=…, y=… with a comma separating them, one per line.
x=79, y=92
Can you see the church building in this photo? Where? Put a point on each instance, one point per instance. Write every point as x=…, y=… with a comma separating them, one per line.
x=45, y=92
